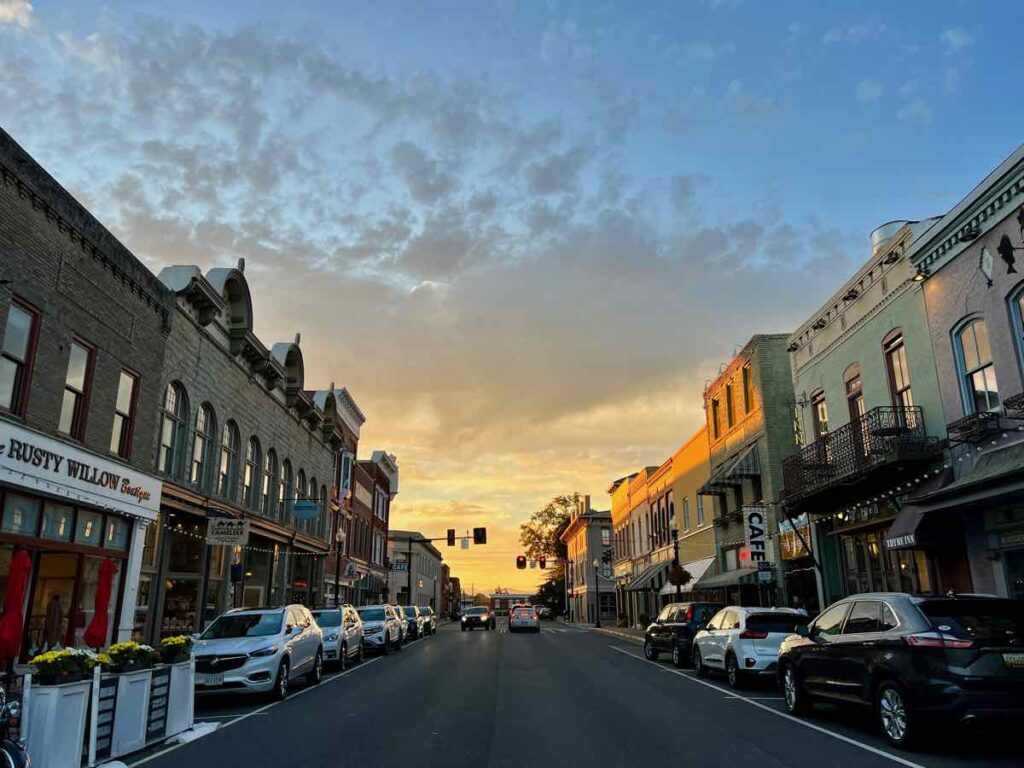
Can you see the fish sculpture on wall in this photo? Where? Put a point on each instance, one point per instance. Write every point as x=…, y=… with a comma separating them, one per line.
x=1005, y=250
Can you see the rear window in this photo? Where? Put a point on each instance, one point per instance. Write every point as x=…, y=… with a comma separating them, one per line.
x=371, y=614
x=327, y=618
x=410, y=611
x=776, y=622
x=997, y=621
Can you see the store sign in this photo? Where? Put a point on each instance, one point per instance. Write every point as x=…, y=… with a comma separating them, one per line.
x=306, y=509
x=399, y=565
x=757, y=540
x=794, y=538
x=227, y=531
x=45, y=465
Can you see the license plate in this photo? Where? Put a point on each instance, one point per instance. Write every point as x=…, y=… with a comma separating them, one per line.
x=1014, y=660
x=210, y=679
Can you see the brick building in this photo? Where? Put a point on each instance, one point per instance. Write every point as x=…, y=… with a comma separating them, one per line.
x=376, y=486
x=84, y=328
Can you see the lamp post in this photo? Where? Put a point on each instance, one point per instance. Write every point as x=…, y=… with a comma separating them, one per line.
x=674, y=527
x=597, y=592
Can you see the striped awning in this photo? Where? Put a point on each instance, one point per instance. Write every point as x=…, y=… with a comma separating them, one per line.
x=651, y=576
x=747, y=464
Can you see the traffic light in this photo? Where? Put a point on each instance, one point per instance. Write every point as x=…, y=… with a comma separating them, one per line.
x=521, y=562
x=479, y=535
x=451, y=537
x=542, y=562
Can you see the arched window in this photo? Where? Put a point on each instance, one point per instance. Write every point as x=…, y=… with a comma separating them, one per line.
x=300, y=485
x=977, y=371
x=250, y=483
x=228, y=475
x=307, y=525
x=286, y=494
x=203, y=446
x=1016, y=301
x=172, y=430
x=315, y=524
x=269, y=499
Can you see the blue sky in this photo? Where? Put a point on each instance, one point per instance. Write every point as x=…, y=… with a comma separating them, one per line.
x=522, y=234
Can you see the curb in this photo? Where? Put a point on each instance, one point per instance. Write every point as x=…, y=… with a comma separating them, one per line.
x=617, y=633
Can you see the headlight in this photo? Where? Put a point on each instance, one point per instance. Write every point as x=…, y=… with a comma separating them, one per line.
x=268, y=651
x=330, y=638
x=13, y=709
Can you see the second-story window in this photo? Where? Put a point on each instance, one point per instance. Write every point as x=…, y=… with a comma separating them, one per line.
x=269, y=496
x=899, y=371
x=700, y=510
x=977, y=369
x=819, y=414
x=730, y=414
x=16, y=357
x=124, y=414
x=606, y=537
x=686, y=514
x=748, y=392
x=172, y=429
x=716, y=422
x=75, y=403
x=228, y=471
x=287, y=492
x=251, y=478
x=202, y=446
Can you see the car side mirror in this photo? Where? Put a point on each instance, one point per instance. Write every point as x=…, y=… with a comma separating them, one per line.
x=802, y=630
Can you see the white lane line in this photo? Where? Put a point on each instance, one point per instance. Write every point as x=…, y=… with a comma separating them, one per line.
x=261, y=710
x=784, y=715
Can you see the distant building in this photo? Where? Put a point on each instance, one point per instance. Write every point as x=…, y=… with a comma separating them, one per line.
x=415, y=569
x=503, y=601
x=588, y=537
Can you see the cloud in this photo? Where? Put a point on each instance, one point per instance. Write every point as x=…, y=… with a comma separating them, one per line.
x=745, y=106
x=18, y=12
x=869, y=91
x=855, y=34
x=426, y=181
x=683, y=193
x=698, y=52
x=558, y=172
x=917, y=111
x=956, y=39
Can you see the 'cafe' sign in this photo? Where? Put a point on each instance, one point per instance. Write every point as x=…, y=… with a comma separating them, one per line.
x=45, y=465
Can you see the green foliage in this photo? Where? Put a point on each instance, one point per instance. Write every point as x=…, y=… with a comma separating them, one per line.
x=539, y=535
x=551, y=594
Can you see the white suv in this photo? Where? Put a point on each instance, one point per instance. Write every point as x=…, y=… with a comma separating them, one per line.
x=343, y=634
x=381, y=630
x=744, y=642
x=259, y=650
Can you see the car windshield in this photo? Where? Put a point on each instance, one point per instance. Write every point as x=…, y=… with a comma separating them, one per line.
x=371, y=614
x=993, y=621
x=424, y=611
x=244, y=625
x=476, y=611
x=410, y=611
x=776, y=622
x=328, y=618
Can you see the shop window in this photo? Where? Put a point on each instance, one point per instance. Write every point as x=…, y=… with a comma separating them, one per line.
x=51, y=618
x=142, y=607
x=172, y=430
x=16, y=356
x=898, y=370
x=89, y=529
x=58, y=521
x=77, y=384
x=202, y=446
x=977, y=371
x=228, y=471
x=117, y=533
x=124, y=414
x=21, y=515
x=180, y=605
x=186, y=554
x=250, y=481
x=87, y=597
x=149, y=544
x=269, y=496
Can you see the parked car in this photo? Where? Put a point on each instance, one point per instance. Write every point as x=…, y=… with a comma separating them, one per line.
x=259, y=650
x=744, y=642
x=429, y=619
x=478, y=616
x=674, y=629
x=915, y=660
x=382, y=629
x=546, y=614
x=525, y=618
x=414, y=621
x=402, y=625
x=343, y=634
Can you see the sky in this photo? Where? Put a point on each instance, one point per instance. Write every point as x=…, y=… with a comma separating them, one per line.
x=523, y=234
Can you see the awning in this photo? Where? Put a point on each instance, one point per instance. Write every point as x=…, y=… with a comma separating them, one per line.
x=642, y=583
x=747, y=464
x=902, y=534
x=696, y=569
x=727, y=579
x=1003, y=468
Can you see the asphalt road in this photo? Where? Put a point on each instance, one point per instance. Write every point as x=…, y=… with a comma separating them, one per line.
x=498, y=699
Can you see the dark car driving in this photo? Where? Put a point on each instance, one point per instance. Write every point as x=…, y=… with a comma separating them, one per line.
x=916, y=660
x=478, y=616
x=674, y=629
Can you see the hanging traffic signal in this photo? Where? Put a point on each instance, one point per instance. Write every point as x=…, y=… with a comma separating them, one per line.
x=542, y=562
x=521, y=562
x=479, y=535
x=451, y=537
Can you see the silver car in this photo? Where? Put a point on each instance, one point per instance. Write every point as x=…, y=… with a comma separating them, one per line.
x=429, y=619
x=414, y=621
x=381, y=630
x=259, y=650
x=343, y=634
x=402, y=625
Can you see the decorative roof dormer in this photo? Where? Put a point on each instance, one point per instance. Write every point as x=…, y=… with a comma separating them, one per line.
x=190, y=286
x=289, y=356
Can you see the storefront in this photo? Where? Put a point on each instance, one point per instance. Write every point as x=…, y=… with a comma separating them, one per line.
x=71, y=511
x=799, y=569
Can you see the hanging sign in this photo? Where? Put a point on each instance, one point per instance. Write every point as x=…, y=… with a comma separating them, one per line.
x=757, y=540
x=306, y=509
x=227, y=531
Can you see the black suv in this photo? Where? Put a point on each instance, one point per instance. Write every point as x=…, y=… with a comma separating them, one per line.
x=478, y=616
x=914, y=659
x=674, y=629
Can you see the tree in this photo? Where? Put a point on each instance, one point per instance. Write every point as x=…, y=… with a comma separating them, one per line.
x=481, y=599
x=540, y=534
x=551, y=594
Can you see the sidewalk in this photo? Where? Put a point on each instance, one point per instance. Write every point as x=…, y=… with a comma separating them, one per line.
x=633, y=634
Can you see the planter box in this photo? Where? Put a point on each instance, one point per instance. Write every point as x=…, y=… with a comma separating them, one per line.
x=180, y=697
x=130, y=713
x=55, y=720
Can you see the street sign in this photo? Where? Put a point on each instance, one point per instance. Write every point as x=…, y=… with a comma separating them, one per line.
x=227, y=531
x=305, y=509
x=465, y=542
x=765, y=576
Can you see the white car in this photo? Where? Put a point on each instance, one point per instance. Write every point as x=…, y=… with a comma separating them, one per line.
x=343, y=634
x=744, y=642
x=259, y=650
x=381, y=630
x=523, y=618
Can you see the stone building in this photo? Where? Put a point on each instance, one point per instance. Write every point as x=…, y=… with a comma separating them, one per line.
x=587, y=538
x=84, y=329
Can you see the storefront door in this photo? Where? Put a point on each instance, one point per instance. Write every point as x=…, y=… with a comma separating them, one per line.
x=48, y=625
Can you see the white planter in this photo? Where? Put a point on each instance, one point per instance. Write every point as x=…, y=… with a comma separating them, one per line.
x=131, y=712
x=55, y=720
x=180, y=697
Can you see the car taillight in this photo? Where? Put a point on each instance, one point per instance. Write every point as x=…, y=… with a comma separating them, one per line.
x=753, y=634
x=689, y=613
x=936, y=640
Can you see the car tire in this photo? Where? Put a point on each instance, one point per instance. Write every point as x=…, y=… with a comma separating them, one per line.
x=894, y=714
x=733, y=674
x=463, y=627
x=650, y=652
x=316, y=674
x=399, y=644
x=698, y=664
x=343, y=657
x=678, y=659
x=794, y=697
x=362, y=652
x=280, y=691
x=385, y=648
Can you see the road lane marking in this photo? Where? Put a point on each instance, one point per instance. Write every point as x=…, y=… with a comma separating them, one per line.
x=784, y=715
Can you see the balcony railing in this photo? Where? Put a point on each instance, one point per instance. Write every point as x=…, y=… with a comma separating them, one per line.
x=883, y=436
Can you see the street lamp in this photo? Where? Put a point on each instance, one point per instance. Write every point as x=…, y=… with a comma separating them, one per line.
x=674, y=527
x=597, y=593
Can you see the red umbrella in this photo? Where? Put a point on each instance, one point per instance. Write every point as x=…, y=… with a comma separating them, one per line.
x=96, y=634
x=12, y=623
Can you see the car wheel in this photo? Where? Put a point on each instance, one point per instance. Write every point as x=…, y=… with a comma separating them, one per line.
x=650, y=652
x=894, y=714
x=385, y=649
x=677, y=656
x=343, y=657
x=316, y=674
x=281, y=684
x=732, y=672
x=398, y=643
x=797, y=702
x=362, y=652
x=463, y=627
x=698, y=664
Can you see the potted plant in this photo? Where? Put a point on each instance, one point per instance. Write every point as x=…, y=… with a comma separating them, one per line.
x=133, y=664
x=67, y=665
x=56, y=707
x=131, y=656
x=176, y=649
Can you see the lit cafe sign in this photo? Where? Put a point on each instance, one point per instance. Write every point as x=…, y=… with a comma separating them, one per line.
x=40, y=463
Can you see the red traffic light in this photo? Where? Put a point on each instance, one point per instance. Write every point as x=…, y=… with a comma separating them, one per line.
x=521, y=562
x=542, y=562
